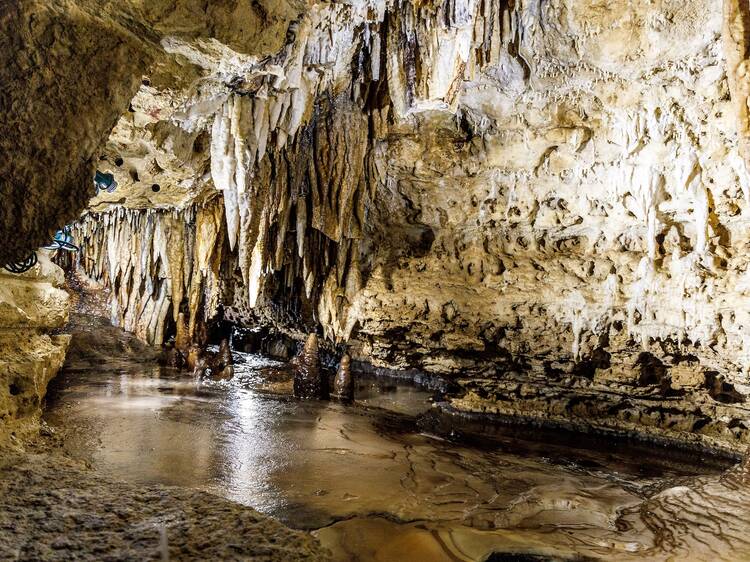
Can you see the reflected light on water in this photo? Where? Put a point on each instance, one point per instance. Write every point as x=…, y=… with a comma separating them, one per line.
x=328, y=466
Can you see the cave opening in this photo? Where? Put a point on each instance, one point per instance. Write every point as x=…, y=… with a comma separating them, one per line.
x=374, y=280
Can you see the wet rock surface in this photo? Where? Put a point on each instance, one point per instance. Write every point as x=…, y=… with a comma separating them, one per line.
x=343, y=384
x=380, y=479
x=309, y=379
x=710, y=415
x=222, y=364
x=53, y=507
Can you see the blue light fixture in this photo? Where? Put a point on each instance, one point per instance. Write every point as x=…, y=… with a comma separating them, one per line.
x=104, y=182
x=63, y=241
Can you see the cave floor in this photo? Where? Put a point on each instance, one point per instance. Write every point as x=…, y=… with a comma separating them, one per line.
x=379, y=479
x=54, y=508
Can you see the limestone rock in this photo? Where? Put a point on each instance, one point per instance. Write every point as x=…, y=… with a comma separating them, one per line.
x=182, y=338
x=521, y=196
x=31, y=305
x=222, y=365
x=195, y=360
x=68, y=71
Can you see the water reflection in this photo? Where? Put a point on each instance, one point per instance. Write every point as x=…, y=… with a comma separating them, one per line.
x=369, y=476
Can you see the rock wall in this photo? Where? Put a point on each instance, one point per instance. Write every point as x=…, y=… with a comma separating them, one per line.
x=68, y=70
x=31, y=305
x=546, y=201
x=604, y=188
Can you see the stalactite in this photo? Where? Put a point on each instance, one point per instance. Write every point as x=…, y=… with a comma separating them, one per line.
x=291, y=158
x=145, y=257
x=176, y=257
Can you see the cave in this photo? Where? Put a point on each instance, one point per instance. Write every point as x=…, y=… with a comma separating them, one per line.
x=374, y=280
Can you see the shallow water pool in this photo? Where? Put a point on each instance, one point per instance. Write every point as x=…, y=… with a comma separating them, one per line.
x=382, y=479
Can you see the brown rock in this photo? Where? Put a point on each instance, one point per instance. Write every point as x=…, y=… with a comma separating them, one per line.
x=222, y=364
x=172, y=357
x=182, y=338
x=195, y=353
x=201, y=366
x=578, y=249
x=343, y=385
x=308, y=380
x=60, y=100
x=226, y=374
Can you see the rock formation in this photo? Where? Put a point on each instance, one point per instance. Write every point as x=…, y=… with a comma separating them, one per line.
x=222, y=365
x=343, y=384
x=309, y=380
x=523, y=196
x=31, y=305
x=68, y=71
x=127, y=521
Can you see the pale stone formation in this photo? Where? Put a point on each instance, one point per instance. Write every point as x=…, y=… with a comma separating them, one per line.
x=31, y=305
x=525, y=197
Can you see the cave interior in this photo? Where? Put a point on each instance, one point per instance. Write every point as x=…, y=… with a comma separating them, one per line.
x=374, y=280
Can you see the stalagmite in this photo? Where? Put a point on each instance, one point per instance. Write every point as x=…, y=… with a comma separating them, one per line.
x=309, y=381
x=195, y=360
x=343, y=385
x=222, y=365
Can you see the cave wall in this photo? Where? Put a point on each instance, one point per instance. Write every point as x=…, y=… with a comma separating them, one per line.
x=589, y=153
x=549, y=194
x=282, y=143
x=32, y=306
x=68, y=71
x=591, y=196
